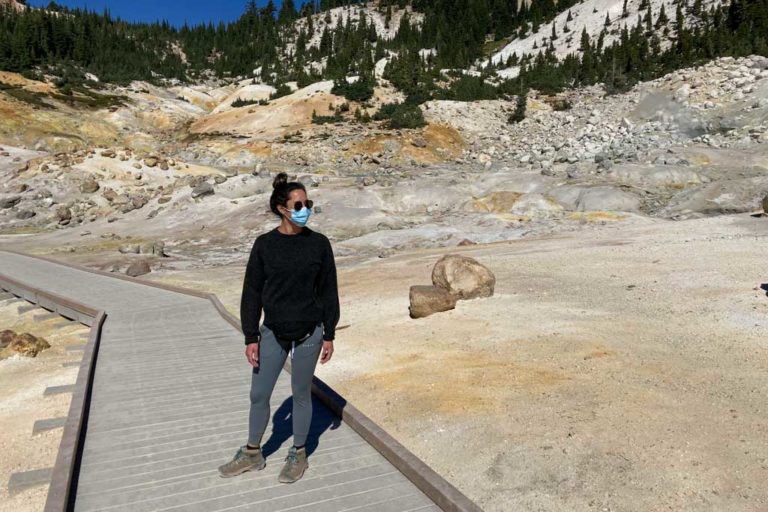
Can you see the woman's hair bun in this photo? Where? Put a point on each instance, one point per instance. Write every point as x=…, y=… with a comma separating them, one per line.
x=281, y=190
x=281, y=180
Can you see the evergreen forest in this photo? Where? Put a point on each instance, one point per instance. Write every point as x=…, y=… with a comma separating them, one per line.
x=277, y=42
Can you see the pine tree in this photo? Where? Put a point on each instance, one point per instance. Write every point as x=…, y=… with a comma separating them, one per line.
x=662, y=19
x=287, y=12
x=520, y=108
x=649, y=20
x=584, y=44
x=697, y=8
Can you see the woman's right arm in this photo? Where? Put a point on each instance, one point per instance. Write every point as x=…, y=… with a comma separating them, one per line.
x=250, y=301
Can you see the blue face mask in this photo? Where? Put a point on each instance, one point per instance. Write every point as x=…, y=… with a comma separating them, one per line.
x=300, y=217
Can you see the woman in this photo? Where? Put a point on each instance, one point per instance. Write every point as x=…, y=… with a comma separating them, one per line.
x=291, y=273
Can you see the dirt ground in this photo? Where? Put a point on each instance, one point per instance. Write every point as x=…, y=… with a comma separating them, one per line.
x=22, y=382
x=622, y=372
x=617, y=368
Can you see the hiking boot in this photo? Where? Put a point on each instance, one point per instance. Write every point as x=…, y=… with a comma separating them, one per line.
x=244, y=460
x=295, y=464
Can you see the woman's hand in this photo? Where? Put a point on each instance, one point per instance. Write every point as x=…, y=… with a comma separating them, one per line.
x=326, y=352
x=252, y=354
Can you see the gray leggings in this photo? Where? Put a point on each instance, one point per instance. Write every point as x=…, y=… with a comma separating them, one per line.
x=272, y=355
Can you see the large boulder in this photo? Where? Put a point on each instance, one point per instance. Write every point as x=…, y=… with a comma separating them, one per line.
x=63, y=214
x=463, y=277
x=9, y=202
x=109, y=194
x=6, y=336
x=28, y=344
x=89, y=186
x=129, y=249
x=138, y=268
x=203, y=189
x=156, y=247
x=139, y=201
x=426, y=300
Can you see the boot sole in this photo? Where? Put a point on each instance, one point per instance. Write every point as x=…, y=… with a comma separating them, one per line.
x=259, y=468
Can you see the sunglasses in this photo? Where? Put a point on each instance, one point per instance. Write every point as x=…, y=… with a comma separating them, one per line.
x=298, y=205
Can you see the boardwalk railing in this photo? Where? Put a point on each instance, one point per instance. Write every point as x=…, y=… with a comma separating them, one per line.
x=64, y=473
x=64, y=478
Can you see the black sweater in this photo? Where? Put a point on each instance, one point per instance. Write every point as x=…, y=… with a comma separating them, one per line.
x=293, y=277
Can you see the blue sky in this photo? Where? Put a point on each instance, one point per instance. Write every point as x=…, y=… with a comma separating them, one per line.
x=175, y=11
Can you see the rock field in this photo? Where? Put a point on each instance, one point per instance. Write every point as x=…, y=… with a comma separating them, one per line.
x=690, y=144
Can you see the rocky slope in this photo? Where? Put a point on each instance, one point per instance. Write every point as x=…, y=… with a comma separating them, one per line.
x=12, y=4
x=689, y=144
x=591, y=16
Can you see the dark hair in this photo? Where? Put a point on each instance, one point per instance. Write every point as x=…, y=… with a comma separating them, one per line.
x=282, y=188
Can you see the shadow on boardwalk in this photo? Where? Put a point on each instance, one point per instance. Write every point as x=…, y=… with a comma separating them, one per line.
x=282, y=426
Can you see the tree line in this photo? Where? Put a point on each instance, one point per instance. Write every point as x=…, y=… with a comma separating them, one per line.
x=453, y=35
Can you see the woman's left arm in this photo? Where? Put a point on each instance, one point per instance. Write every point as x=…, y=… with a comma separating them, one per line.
x=329, y=293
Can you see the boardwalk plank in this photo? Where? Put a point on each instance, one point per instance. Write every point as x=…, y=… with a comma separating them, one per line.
x=57, y=390
x=48, y=424
x=44, y=316
x=386, y=498
x=26, y=308
x=211, y=492
x=24, y=480
x=184, y=469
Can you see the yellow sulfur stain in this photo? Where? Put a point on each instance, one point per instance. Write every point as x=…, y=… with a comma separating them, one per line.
x=497, y=202
x=453, y=382
x=596, y=216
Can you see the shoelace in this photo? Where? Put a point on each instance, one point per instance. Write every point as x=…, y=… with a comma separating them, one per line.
x=292, y=457
x=236, y=458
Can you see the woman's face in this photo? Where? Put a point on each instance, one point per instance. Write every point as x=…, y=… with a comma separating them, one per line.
x=293, y=197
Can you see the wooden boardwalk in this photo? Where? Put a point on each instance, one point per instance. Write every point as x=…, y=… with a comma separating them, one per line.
x=167, y=402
